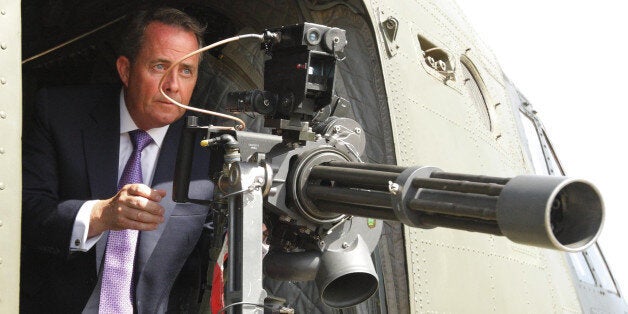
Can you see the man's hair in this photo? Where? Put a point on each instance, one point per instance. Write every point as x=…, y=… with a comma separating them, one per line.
x=133, y=36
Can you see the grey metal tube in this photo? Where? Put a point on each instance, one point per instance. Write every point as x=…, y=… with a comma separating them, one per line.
x=482, y=226
x=354, y=177
x=491, y=189
x=469, y=177
x=347, y=276
x=456, y=204
x=349, y=196
x=376, y=167
x=297, y=266
x=450, y=209
x=362, y=211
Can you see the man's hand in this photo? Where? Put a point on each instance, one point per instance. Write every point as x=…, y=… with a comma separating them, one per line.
x=136, y=206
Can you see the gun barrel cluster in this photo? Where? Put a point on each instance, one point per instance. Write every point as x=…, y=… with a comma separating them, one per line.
x=546, y=211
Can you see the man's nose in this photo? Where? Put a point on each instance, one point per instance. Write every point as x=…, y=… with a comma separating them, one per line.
x=171, y=82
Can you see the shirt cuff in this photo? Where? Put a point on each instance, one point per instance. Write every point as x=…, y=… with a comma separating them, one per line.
x=79, y=240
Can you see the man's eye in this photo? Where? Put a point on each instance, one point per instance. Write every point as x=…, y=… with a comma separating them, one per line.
x=186, y=71
x=159, y=67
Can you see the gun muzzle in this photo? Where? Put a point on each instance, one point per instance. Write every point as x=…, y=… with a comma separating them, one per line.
x=553, y=212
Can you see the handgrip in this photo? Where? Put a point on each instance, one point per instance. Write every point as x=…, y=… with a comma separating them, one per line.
x=185, y=155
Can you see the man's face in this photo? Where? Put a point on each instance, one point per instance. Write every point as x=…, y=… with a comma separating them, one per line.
x=162, y=46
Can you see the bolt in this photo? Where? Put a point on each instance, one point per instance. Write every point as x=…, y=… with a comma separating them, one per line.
x=345, y=245
x=1, y=150
x=3, y=12
x=393, y=188
x=321, y=243
x=3, y=114
x=357, y=130
x=0, y=223
x=2, y=186
x=390, y=24
x=3, y=80
x=272, y=192
x=3, y=45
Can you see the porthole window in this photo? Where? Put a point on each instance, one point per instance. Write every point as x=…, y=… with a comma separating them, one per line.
x=476, y=89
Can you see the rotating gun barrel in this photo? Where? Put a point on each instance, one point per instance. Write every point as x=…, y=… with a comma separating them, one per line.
x=545, y=211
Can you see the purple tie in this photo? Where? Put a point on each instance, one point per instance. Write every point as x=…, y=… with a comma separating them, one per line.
x=116, y=295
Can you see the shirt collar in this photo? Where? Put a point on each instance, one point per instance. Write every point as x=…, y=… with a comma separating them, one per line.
x=127, y=124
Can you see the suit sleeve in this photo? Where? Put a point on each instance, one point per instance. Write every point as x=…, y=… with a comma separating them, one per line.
x=46, y=221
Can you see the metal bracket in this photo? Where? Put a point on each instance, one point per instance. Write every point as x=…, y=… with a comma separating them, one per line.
x=389, y=28
x=244, y=286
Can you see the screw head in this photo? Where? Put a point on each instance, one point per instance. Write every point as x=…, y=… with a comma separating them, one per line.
x=393, y=188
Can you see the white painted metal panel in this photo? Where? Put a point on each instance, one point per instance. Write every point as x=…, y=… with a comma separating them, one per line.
x=435, y=123
x=10, y=154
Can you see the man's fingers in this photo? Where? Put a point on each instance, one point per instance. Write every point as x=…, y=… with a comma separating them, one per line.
x=141, y=209
x=126, y=223
x=143, y=203
x=144, y=190
x=144, y=216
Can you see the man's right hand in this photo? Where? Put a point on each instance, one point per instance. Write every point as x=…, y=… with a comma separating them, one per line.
x=136, y=206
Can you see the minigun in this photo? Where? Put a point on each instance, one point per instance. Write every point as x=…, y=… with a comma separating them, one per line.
x=321, y=203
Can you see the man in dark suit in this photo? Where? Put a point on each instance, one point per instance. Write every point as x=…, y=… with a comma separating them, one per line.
x=88, y=185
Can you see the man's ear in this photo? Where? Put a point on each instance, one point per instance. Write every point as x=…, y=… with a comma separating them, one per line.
x=123, y=64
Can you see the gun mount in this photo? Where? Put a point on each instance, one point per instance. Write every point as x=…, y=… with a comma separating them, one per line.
x=319, y=201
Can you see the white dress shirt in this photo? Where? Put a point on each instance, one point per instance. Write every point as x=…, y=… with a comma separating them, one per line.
x=79, y=240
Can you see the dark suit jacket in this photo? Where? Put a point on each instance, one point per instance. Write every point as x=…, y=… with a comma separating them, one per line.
x=70, y=155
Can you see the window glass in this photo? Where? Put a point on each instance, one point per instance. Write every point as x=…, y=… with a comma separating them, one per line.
x=601, y=269
x=534, y=145
x=582, y=267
